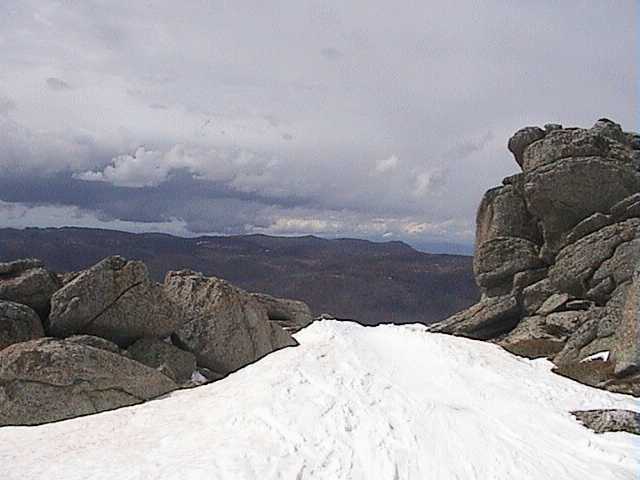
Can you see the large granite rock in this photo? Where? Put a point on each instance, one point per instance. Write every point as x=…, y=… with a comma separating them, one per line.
x=497, y=261
x=576, y=143
x=568, y=291
x=489, y=318
x=27, y=282
x=156, y=353
x=18, y=323
x=565, y=169
x=49, y=379
x=561, y=194
x=116, y=300
x=225, y=327
x=503, y=213
x=291, y=315
x=520, y=140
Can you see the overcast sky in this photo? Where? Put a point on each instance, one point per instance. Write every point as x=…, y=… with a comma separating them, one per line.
x=379, y=120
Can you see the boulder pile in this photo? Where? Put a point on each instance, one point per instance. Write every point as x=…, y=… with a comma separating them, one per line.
x=557, y=255
x=107, y=337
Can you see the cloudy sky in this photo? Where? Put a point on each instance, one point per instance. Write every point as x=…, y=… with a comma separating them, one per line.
x=379, y=120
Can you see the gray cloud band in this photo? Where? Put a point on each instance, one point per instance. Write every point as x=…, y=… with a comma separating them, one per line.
x=382, y=121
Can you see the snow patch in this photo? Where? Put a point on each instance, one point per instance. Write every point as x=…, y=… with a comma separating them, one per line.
x=602, y=356
x=351, y=402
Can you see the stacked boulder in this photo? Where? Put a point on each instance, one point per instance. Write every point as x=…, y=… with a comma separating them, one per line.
x=109, y=337
x=291, y=315
x=556, y=250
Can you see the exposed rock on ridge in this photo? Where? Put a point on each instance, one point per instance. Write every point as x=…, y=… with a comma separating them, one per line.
x=115, y=329
x=47, y=380
x=27, y=282
x=116, y=300
x=224, y=327
x=291, y=315
x=556, y=249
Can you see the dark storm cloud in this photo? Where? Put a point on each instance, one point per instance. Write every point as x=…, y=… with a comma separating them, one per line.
x=375, y=119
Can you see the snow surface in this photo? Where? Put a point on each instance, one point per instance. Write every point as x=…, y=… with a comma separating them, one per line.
x=351, y=402
x=602, y=356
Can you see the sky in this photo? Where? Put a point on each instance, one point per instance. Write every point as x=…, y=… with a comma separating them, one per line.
x=367, y=119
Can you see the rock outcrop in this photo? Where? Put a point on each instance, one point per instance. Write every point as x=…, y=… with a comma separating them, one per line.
x=291, y=315
x=116, y=300
x=116, y=338
x=225, y=327
x=602, y=421
x=49, y=379
x=18, y=323
x=27, y=282
x=556, y=249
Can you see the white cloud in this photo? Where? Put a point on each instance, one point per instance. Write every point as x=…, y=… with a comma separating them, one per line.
x=145, y=168
x=387, y=164
x=241, y=169
x=273, y=120
x=426, y=183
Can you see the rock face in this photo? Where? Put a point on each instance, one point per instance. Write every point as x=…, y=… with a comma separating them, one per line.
x=556, y=250
x=48, y=379
x=18, y=323
x=626, y=349
x=27, y=282
x=155, y=353
x=116, y=300
x=225, y=327
x=291, y=315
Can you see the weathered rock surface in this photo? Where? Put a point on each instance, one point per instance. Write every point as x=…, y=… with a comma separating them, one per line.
x=27, y=282
x=625, y=208
x=49, y=379
x=520, y=140
x=534, y=296
x=498, y=260
x=534, y=338
x=291, y=315
x=602, y=421
x=116, y=300
x=503, y=213
x=626, y=350
x=575, y=143
x=155, y=353
x=18, y=323
x=562, y=194
x=589, y=225
x=576, y=264
x=224, y=327
x=95, y=342
x=553, y=303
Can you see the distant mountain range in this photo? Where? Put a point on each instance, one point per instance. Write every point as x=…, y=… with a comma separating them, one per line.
x=370, y=282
